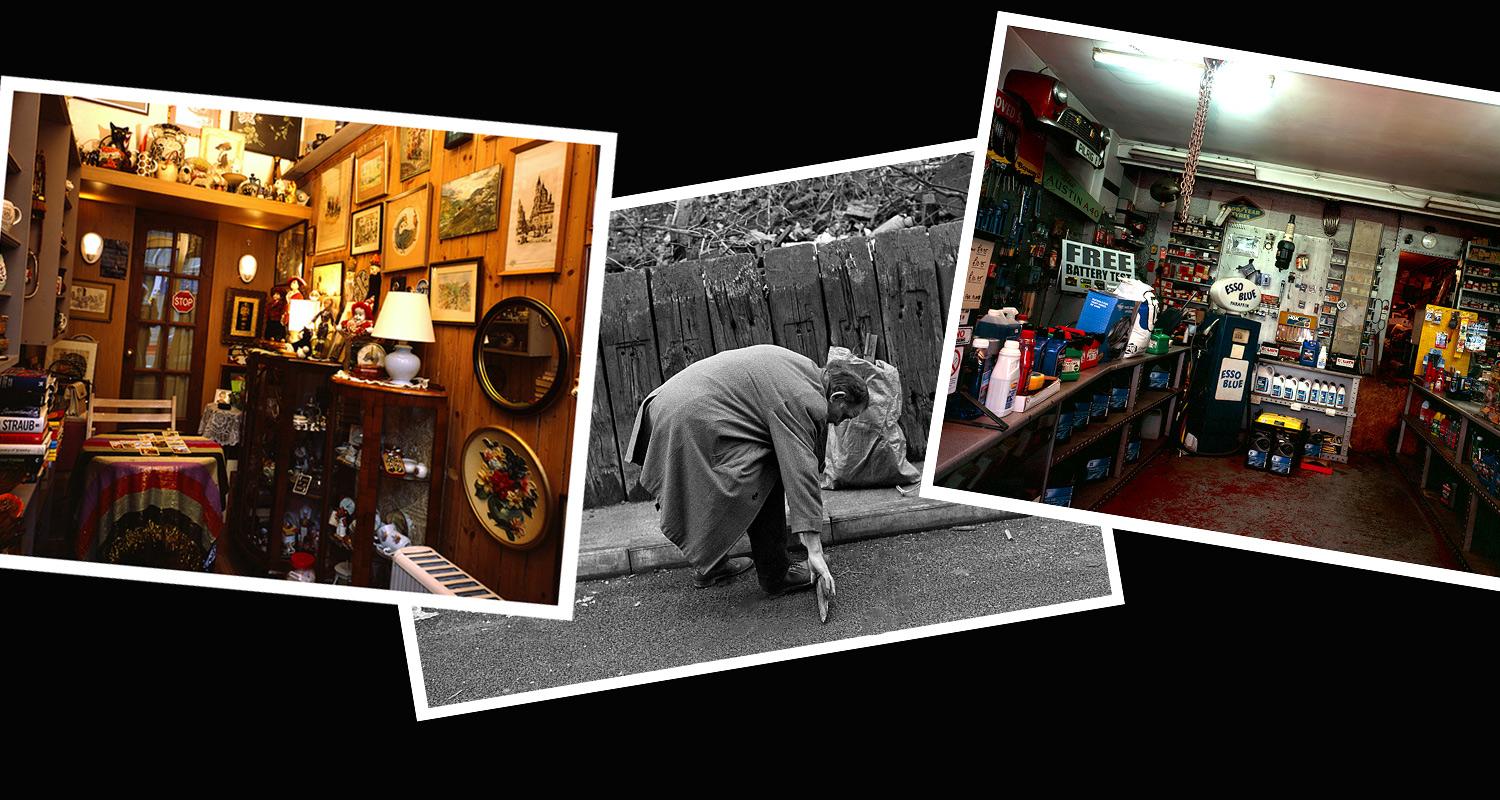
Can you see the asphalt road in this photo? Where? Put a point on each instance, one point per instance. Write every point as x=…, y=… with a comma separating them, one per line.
x=658, y=620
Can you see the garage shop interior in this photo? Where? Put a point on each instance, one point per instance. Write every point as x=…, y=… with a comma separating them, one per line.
x=252, y=344
x=1225, y=294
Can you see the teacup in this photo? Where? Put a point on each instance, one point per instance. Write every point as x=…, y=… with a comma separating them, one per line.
x=10, y=215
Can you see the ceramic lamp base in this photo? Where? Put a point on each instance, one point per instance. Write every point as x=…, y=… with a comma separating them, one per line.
x=402, y=364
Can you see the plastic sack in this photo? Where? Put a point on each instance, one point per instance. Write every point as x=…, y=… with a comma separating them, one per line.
x=869, y=450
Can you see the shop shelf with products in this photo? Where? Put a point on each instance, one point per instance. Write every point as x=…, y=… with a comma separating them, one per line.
x=1479, y=281
x=1453, y=436
x=280, y=491
x=1329, y=417
x=388, y=455
x=1027, y=458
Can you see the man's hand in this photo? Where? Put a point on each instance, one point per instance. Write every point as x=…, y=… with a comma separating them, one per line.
x=816, y=562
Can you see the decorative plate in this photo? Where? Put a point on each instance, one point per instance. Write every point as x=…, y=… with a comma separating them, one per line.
x=507, y=487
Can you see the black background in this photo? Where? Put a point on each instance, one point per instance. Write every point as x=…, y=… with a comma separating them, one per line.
x=1209, y=636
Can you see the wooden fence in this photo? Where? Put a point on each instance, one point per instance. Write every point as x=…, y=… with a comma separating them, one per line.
x=654, y=322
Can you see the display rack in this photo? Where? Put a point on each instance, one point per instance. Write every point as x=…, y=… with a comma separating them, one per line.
x=1469, y=516
x=1318, y=416
x=365, y=421
x=1479, y=287
x=280, y=442
x=1189, y=264
x=1027, y=458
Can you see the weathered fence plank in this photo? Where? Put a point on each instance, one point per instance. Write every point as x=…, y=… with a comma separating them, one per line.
x=798, y=319
x=850, y=294
x=604, y=482
x=627, y=348
x=912, y=309
x=945, y=239
x=737, y=302
x=680, y=309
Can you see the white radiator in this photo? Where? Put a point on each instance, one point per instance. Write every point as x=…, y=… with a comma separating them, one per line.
x=425, y=570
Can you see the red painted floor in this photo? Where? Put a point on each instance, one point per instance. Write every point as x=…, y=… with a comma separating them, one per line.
x=1365, y=507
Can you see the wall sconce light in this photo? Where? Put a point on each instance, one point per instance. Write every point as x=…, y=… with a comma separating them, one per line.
x=93, y=245
x=247, y=268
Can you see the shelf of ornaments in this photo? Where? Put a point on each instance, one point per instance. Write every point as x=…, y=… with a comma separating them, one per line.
x=126, y=188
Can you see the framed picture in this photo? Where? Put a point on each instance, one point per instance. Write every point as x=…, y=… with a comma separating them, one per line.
x=539, y=191
x=244, y=311
x=225, y=150
x=453, y=292
x=369, y=173
x=365, y=230
x=328, y=281
x=270, y=134
x=470, y=204
x=192, y=121
x=75, y=351
x=139, y=107
x=88, y=300
x=114, y=262
x=290, y=245
x=416, y=151
x=421, y=287
x=407, y=216
x=507, y=487
x=312, y=129
x=332, y=207
x=453, y=139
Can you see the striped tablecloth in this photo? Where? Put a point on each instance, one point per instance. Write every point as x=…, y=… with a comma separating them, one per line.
x=110, y=483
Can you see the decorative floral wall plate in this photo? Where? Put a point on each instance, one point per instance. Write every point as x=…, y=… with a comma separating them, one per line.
x=506, y=487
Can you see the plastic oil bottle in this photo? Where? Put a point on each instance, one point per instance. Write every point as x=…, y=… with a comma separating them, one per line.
x=1004, y=378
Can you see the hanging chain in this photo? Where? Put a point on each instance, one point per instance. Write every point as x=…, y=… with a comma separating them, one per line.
x=1195, y=142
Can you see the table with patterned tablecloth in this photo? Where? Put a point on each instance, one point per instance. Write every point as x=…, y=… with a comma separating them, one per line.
x=160, y=497
x=223, y=425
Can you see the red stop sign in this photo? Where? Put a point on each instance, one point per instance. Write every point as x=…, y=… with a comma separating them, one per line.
x=183, y=302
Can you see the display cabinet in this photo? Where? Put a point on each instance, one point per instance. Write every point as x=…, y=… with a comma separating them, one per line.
x=279, y=491
x=386, y=453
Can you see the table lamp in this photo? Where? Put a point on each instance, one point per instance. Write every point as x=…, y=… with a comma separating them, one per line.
x=404, y=318
x=299, y=317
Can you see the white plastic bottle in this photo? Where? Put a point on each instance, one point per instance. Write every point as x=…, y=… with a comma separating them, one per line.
x=1276, y=385
x=1341, y=395
x=1322, y=356
x=1004, y=379
x=1319, y=395
x=1303, y=386
x=1263, y=379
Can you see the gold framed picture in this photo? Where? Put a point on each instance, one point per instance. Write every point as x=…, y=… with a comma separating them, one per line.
x=332, y=208
x=407, y=220
x=538, y=200
x=370, y=173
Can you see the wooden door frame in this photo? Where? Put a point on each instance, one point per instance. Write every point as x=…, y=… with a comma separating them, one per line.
x=145, y=221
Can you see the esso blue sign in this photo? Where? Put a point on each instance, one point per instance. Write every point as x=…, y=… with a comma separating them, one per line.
x=1235, y=294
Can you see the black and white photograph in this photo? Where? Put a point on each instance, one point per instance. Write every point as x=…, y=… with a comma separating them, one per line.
x=761, y=403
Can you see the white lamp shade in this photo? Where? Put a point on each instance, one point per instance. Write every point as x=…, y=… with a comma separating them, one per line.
x=300, y=314
x=247, y=268
x=93, y=245
x=404, y=317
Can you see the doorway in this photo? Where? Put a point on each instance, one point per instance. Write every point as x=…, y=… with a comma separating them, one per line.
x=166, y=323
x=1421, y=280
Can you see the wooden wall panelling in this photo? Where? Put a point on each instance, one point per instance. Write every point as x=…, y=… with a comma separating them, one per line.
x=531, y=575
x=850, y=294
x=737, y=302
x=605, y=479
x=111, y=222
x=627, y=349
x=945, y=239
x=795, y=298
x=912, y=310
x=230, y=242
x=680, y=311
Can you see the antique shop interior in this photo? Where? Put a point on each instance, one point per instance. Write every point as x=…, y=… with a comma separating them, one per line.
x=289, y=348
x=1291, y=343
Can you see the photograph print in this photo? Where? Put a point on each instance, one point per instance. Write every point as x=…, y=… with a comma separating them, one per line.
x=88, y=300
x=290, y=246
x=453, y=290
x=538, y=190
x=332, y=205
x=366, y=230
x=470, y=204
x=415, y=149
x=716, y=527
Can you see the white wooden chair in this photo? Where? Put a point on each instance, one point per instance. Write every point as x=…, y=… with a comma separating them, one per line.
x=159, y=413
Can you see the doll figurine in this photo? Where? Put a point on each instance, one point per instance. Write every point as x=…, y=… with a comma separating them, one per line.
x=358, y=321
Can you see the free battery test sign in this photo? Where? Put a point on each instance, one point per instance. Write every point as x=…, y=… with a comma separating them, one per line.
x=1087, y=267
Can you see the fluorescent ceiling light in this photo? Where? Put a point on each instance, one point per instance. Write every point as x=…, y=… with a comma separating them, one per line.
x=1463, y=207
x=1177, y=158
x=1238, y=88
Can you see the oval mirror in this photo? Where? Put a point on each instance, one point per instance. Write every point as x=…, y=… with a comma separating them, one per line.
x=521, y=355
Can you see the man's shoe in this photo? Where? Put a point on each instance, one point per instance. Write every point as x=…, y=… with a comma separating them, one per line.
x=721, y=572
x=798, y=578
